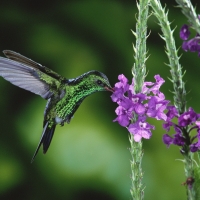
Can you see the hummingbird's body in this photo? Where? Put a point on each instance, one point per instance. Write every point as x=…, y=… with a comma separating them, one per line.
x=64, y=95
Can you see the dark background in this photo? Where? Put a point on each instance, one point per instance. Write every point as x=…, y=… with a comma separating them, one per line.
x=88, y=159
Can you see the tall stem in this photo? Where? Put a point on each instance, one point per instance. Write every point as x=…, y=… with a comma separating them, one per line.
x=139, y=73
x=178, y=84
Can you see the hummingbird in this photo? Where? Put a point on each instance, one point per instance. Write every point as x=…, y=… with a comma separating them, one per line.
x=63, y=96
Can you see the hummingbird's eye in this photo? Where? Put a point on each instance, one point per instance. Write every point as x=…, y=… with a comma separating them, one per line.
x=99, y=82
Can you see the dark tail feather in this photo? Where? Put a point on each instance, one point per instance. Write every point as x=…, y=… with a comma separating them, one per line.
x=45, y=139
x=48, y=137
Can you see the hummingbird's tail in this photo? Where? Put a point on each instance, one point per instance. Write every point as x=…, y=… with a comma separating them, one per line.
x=46, y=138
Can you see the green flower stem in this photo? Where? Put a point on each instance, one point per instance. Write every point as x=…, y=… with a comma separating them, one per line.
x=137, y=189
x=178, y=84
x=172, y=53
x=139, y=73
x=189, y=11
x=189, y=172
x=140, y=53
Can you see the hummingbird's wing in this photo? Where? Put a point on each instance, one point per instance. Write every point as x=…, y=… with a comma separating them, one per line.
x=30, y=75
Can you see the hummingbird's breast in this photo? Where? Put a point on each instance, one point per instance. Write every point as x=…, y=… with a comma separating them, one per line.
x=69, y=103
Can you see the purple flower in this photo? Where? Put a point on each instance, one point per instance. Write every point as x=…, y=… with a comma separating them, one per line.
x=149, y=103
x=167, y=140
x=124, y=112
x=168, y=125
x=141, y=129
x=193, y=147
x=196, y=146
x=159, y=81
x=184, y=32
x=140, y=109
x=192, y=44
x=172, y=112
x=120, y=88
x=187, y=122
x=145, y=89
x=198, y=123
x=154, y=86
x=178, y=139
x=187, y=118
x=137, y=101
x=157, y=106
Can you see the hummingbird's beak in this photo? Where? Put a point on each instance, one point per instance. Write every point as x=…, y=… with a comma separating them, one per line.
x=109, y=89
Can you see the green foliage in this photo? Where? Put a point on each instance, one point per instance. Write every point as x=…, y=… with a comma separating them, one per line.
x=88, y=159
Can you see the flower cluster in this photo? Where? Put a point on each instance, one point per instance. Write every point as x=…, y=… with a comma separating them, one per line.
x=133, y=109
x=192, y=44
x=187, y=122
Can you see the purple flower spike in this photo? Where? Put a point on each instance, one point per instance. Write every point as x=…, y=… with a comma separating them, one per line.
x=187, y=121
x=133, y=108
x=184, y=32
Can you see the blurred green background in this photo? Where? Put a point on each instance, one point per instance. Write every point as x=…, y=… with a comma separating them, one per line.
x=89, y=158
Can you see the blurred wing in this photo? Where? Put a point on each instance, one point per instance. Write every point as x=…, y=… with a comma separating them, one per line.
x=28, y=74
x=21, y=59
x=24, y=60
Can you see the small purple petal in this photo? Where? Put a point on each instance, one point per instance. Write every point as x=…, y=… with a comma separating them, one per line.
x=187, y=118
x=168, y=125
x=184, y=32
x=120, y=88
x=156, y=108
x=140, y=129
x=179, y=140
x=140, y=109
x=123, y=116
x=145, y=89
x=122, y=120
x=172, y=112
x=137, y=138
x=167, y=140
x=198, y=123
x=156, y=86
x=192, y=45
x=123, y=79
x=193, y=147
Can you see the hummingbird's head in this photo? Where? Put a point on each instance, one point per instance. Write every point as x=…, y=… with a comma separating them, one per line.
x=97, y=81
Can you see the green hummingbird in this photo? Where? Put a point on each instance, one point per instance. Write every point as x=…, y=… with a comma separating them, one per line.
x=63, y=96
